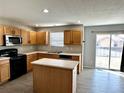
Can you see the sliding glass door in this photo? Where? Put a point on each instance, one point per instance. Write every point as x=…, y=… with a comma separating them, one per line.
x=102, y=51
x=109, y=50
x=116, y=51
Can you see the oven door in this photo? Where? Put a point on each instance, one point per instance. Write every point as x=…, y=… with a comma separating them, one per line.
x=18, y=66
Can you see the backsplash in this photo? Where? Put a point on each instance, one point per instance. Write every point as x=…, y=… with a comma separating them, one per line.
x=31, y=48
x=21, y=49
x=69, y=49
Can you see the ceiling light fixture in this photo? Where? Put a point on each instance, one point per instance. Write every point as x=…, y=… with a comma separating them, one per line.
x=45, y=10
x=79, y=21
x=36, y=25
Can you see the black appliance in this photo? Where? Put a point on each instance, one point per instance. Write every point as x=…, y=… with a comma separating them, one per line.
x=10, y=40
x=18, y=64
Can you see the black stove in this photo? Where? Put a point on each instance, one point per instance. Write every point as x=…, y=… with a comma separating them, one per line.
x=18, y=64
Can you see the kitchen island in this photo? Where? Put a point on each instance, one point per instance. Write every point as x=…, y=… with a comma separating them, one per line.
x=54, y=76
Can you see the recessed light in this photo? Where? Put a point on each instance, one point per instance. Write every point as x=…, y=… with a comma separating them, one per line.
x=79, y=21
x=45, y=10
x=36, y=25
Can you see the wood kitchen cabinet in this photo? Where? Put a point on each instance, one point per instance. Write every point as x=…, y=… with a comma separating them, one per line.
x=72, y=37
x=51, y=77
x=42, y=38
x=31, y=58
x=40, y=55
x=46, y=55
x=33, y=37
x=9, y=30
x=16, y=31
x=1, y=35
x=4, y=70
x=25, y=37
x=28, y=37
x=79, y=67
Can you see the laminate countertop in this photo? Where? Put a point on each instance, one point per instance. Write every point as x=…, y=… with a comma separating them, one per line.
x=65, y=64
x=4, y=58
x=46, y=52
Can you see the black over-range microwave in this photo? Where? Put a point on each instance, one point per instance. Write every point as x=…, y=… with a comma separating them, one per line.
x=10, y=40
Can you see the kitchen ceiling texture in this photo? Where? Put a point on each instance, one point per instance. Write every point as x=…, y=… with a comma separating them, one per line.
x=63, y=12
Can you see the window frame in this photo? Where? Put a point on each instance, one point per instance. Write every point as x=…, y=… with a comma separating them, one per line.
x=57, y=45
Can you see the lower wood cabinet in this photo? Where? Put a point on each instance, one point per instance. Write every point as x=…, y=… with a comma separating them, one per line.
x=43, y=55
x=31, y=58
x=36, y=56
x=4, y=70
x=79, y=67
x=53, y=79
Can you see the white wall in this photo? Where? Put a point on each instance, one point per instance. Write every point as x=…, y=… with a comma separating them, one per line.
x=90, y=38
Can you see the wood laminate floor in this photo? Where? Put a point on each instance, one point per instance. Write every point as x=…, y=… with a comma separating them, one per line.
x=89, y=81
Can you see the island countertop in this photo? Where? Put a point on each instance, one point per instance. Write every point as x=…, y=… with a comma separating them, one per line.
x=65, y=64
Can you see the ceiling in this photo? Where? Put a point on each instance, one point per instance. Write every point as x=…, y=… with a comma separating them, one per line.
x=89, y=12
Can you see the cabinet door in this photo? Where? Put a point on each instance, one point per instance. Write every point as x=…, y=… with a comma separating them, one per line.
x=32, y=37
x=25, y=37
x=42, y=38
x=4, y=70
x=16, y=31
x=78, y=58
x=8, y=30
x=76, y=37
x=31, y=58
x=1, y=35
x=67, y=37
x=43, y=55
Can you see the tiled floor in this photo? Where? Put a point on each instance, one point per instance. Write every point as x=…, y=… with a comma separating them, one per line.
x=89, y=81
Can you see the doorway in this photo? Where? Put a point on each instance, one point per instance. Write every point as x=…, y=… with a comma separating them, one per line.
x=109, y=51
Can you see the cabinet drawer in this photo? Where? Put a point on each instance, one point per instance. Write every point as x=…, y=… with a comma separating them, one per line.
x=75, y=58
x=43, y=55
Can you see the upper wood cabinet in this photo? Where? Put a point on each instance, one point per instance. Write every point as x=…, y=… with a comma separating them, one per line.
x=76, y=37
x=67, y=37
x=1, y=35
x=16, y=31
x=9, y=30
x=28, y=37
x=33, y=37
x=72, y=37
x=25, y=37
x=42, y=38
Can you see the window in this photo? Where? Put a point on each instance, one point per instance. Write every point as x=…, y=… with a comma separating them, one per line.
x=57, y=38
